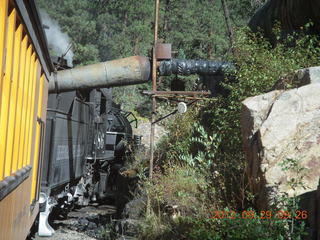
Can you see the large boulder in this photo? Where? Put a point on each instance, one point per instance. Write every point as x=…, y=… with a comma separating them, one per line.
x=277, y=126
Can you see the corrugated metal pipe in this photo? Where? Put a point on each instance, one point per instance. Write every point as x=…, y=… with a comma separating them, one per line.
x=121, y=72
x=188, y=67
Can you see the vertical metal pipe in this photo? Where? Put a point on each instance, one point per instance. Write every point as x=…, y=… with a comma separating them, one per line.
x=154, y=86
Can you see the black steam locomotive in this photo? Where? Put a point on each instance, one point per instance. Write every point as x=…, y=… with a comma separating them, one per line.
x=86, y=143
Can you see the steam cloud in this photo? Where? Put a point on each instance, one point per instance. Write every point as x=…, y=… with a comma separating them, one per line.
x=58, y=41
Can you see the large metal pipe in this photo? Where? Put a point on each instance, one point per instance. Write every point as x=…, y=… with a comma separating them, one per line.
x=129, y=71
x=189, y=66
x=121, y=72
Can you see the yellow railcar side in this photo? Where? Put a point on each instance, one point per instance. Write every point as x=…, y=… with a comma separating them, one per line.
x=13, y=97
x=25, y=107
x=24, y=68
x=17, y=131
x=36, y=156
x=5, y=96
x=34, y=146
x=24, y=82
x=3, y=26
x=29, y=110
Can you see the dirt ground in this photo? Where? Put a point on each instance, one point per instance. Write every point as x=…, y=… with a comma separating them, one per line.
x=77, y=226
x=144, y=129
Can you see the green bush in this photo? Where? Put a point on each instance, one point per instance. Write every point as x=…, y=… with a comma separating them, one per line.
x=209, y=141
x=171, y=147
x=259, y=68
x=244, y=227
x=177, y=188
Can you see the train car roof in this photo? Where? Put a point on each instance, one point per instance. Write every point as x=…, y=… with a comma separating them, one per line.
x=30, y=16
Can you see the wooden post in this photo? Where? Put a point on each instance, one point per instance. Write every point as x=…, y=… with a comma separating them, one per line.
x=154, y=87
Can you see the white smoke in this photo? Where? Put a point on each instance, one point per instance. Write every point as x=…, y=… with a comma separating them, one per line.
x=58, y=41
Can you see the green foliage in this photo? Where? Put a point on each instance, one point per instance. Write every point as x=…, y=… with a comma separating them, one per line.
x=249, y=225
x=170, y=148
x=131, y=100
x=101, y=30
x=294, y=166
x=204, y=146
x=179, y=185
x=196, y=27
x=209, y=141
x=75, y=18
x=281, y=222
x=196, y=218
x=206, y=140
x=259, y=67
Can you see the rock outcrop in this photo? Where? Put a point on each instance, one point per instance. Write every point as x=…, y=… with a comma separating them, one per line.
x=307, y=76
x=278, y=126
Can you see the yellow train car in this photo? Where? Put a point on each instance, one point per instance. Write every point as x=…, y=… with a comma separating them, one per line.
x=25, y=68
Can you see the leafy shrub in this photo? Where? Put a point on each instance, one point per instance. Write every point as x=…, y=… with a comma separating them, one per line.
x=259, y=67
x=244, y=228
x=209, y=141
x=172, y=147
x=177, y=186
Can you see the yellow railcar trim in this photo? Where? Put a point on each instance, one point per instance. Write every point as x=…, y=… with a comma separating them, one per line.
x=3, y=24
x=3, y=34
x=35, y=163
x=29, y=108
x=13, y=99
x=39, y=113
x=32, y=109
x=5, y=96
x=21, y=84
x=21, y=103
x=37, y=142
x=22, y=153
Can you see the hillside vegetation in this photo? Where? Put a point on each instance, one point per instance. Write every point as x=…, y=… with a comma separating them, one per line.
x=200, y=165
x=101, y=30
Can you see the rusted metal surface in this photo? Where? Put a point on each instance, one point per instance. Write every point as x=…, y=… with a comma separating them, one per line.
x=121, y=72
x=163, y=51
x=158, y=93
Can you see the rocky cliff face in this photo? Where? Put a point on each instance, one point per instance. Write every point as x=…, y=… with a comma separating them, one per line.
x=279, y=126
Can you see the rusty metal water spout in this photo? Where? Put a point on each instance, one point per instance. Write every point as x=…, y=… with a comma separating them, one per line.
x=120, y=72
